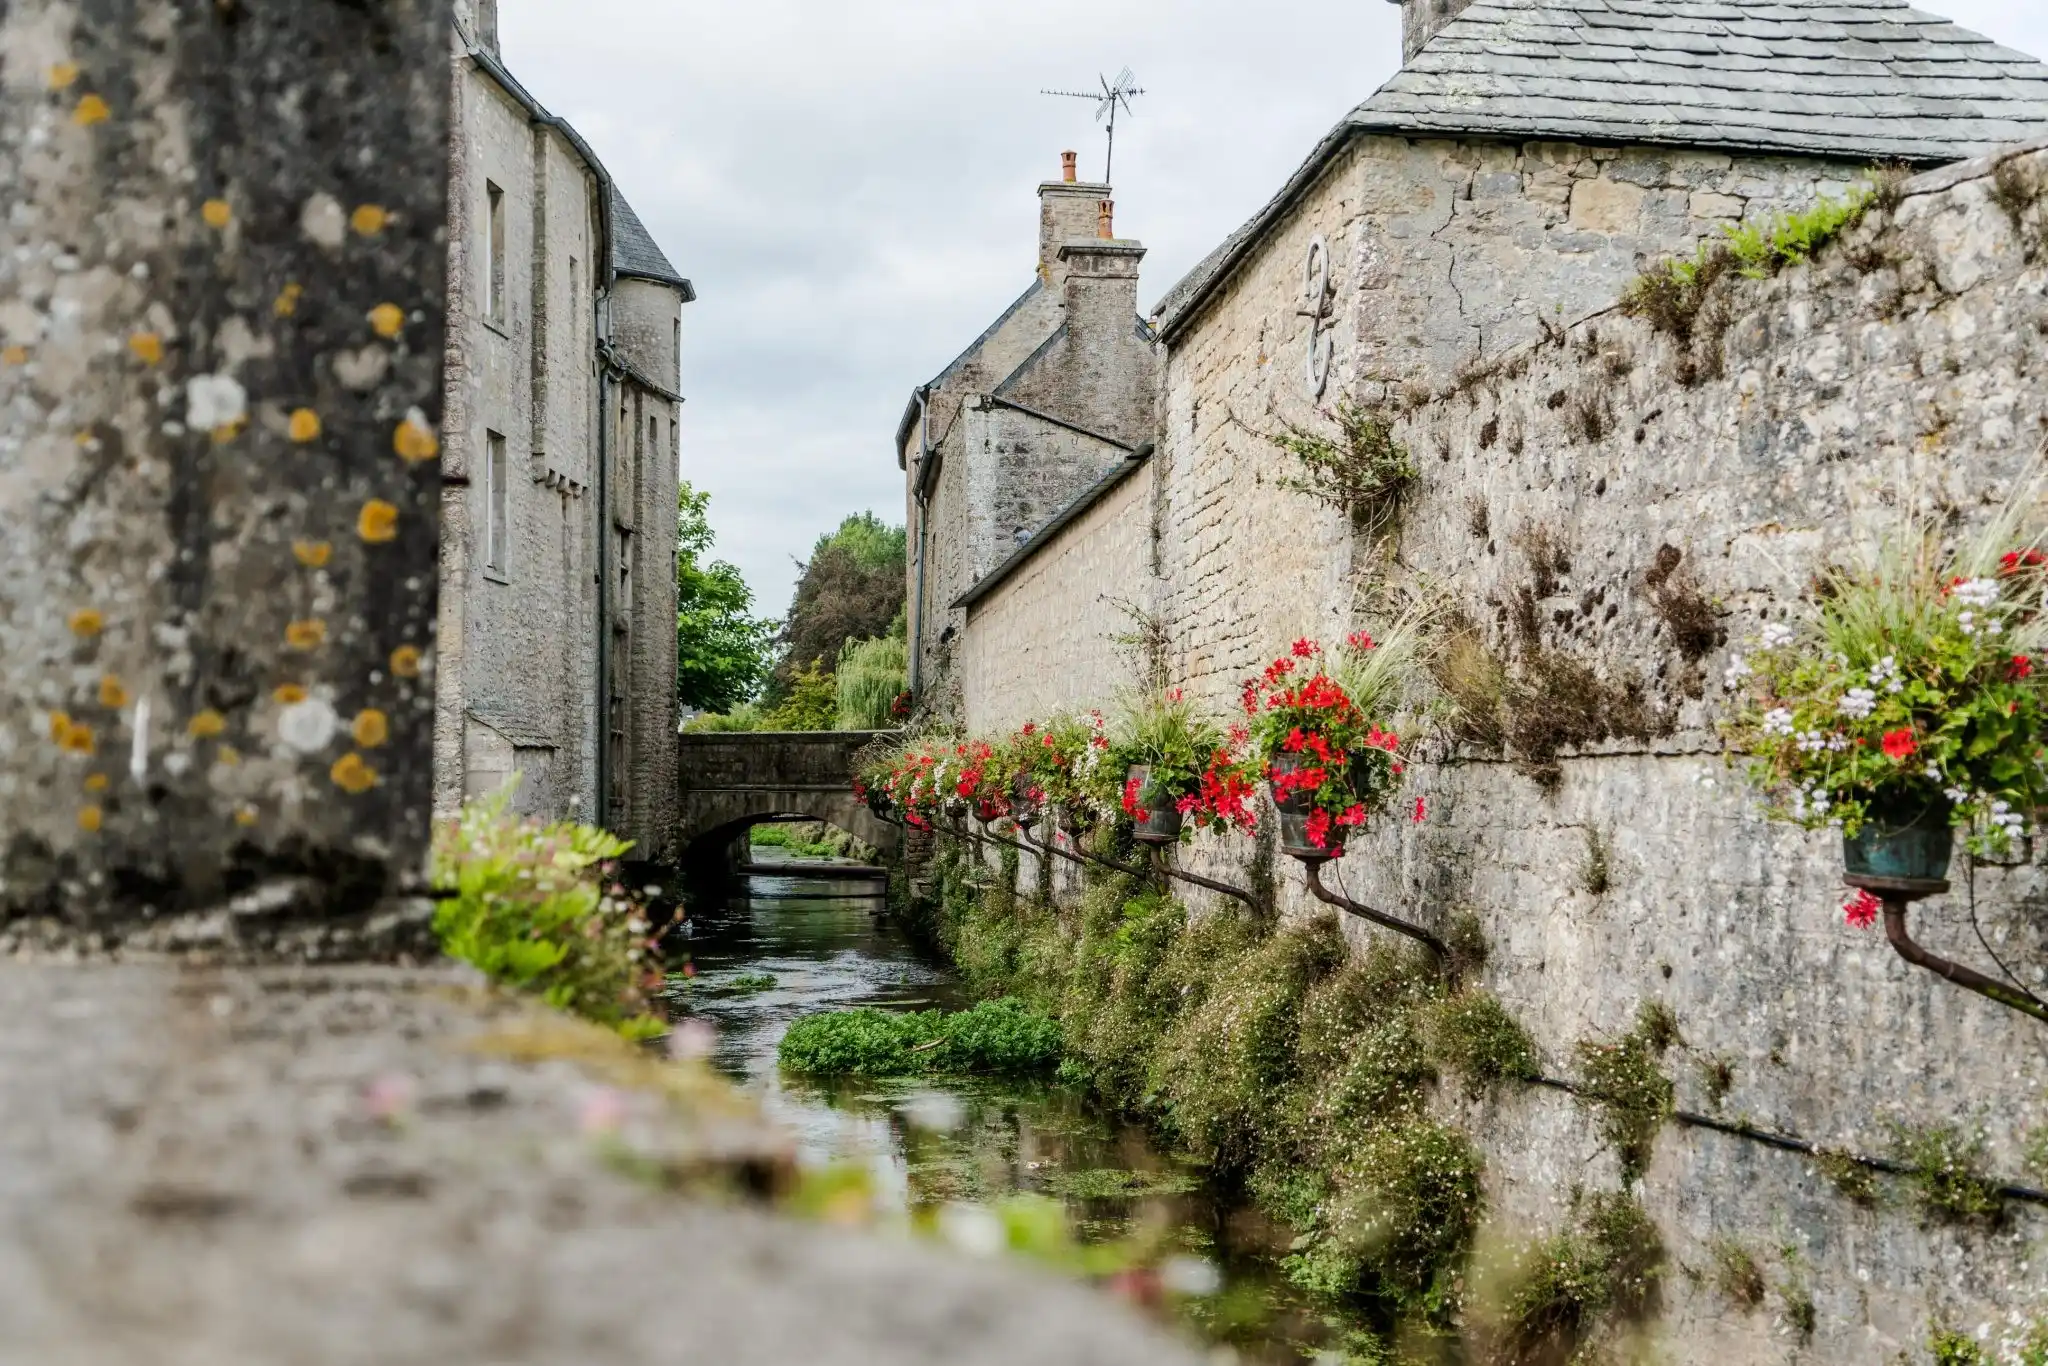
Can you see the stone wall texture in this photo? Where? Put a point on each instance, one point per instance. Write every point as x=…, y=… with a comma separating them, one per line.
x=1903, y=364
x=220, y=388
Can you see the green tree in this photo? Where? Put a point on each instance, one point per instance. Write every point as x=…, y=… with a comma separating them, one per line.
x=811, y=704
x=851, y=589
x=721, y=648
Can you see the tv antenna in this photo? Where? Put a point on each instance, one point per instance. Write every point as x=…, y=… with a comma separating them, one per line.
x=1113, y=95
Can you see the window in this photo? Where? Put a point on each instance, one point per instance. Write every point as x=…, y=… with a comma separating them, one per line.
x=575, y=299
x=494, y=277
x=679, y=353
x=497, y=508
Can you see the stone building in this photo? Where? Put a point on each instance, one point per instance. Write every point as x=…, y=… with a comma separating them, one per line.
x=1451, y=257
x=1047, y=410
x=556, y=657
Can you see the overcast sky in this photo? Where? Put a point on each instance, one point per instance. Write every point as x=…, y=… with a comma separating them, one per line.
x=851, y=186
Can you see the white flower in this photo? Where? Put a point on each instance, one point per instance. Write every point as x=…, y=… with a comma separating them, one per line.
x=1857, y=703
x=1993, y=627
x=1956, y=795
x=1976, y=592
x=1776, y=635
x=1778, y=721
x=1738, y=669
x=1934, y=772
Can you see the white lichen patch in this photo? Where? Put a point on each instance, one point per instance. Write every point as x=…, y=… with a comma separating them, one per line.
x=308, y=726
x=324, y=221
x=214, y=401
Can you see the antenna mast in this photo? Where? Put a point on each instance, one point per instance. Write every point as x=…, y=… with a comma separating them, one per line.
x=1113, y=95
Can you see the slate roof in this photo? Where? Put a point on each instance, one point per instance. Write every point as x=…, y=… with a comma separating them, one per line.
x=1855, y=80
x=634, y=252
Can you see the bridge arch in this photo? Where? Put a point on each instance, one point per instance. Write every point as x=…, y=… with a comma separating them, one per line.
x=730, y=781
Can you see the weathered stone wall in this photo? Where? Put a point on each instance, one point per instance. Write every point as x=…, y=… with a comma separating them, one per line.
x=1047, y=639
x=1906, y=359
x=220, y=364
x=1022, y=471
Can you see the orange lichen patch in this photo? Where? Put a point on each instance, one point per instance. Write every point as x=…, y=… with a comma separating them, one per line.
x=14, y=355
x=405, y=661
x=310, y=634
x=368, y=220
x=112, y=695
x=415, y=440
x=90, y=818
x=217, y=213
x=352, y=775
x=96, y=782
x=288, y=300
x=228, y=756
x=313, y=554
x=288, y=695
x=86, y=621
x=378, y=522
x=92, y=109
x=387, y=319
x=245, y=816
x=305, y=425
x=228, y=431
x=206, y=724
x=60, y=725
x=147, y=346
x=76, y=738
x=372, y=728
x=63, y=75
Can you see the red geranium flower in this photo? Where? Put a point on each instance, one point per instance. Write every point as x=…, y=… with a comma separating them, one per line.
x=1359, y=640
x=1861, y=910
x=2021, y=667
x=1305, y=648
x=1900, y=744
x=1421, y=809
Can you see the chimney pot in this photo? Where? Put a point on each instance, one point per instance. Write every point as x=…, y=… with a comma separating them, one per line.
x=1105, y=220
x=1067, y=171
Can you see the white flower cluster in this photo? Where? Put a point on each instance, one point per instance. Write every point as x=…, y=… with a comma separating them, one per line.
x=1990, y=626
x=1809, y=804
x=2012, y=822
x=1738, y=669
x=1978, y=593
x=1885, y=674
x=1777, y=635
x=1817, y=742
x=1857, y=703
x=1778, y=721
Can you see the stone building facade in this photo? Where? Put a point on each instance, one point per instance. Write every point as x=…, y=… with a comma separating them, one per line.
x=556, y=658
x=1452, y=257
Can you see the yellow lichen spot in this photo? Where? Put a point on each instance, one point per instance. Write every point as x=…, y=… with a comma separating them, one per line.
x=92, y=109
x=90, y=818
x=228, y=431
x=387, y=319
x=305, y=425
x=372, y=728
x=63, y=75
x=313, y=554
x=378, y=522
x=15, y=355
x=206, y=724
x=368, y=220
x=228, y=756
x=288, y=695
x=96, y=783
x=87, y=622
x=415, y=440
x=147, y=346
x=217, y=213
x=112, y=694
x=288, y=300
x=60, y=725
x=405, y=661
x=78, y=739
x=245, y=816
x=306, y=635
x=352, y=775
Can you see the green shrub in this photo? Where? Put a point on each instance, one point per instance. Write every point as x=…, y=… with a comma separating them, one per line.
x=1606, y=1269
x=1951, y=1348
x=1472, y=1036
x=530, y=909
x=744, y=717
x=1622, y=1078
x=1407, y=1199
x=1947, y=1172
x=1001, y=1037
x=872, y=675
x=811, y=702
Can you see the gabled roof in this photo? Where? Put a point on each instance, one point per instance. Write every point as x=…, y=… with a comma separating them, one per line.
x=1851, y=80
x=1089, y=497
x=635, y=254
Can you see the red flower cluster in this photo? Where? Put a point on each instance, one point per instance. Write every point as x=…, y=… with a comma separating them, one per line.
x=2022, y=666
x=1132, y=808
x=1899, y=745
x=1306, y=648
x=1861, y=910
x=1359, y=640
x=2016, y=560
x=1225, y=796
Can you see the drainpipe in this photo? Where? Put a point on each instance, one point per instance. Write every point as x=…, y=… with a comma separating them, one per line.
x=919, y=494
x=601, y=814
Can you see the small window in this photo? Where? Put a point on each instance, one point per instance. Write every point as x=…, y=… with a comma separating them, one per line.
x=497, y=508
x=494, y=278
x=575, y=297
x=679, y=353
x=653, y=436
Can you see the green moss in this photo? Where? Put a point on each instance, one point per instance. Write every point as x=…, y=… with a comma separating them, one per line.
x=1623, y=1079
x=1110, y=1183
x=2037, y=1153
x=1606, y=1270
x=1000, y=1037
x=1472, y=1036
x=1850, y=1177
x=1947, y=1172
x=1736, y=1273
x=1951, y=1348
x=748, y=983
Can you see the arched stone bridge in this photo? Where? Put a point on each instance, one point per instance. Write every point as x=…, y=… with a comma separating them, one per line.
x=732, y=780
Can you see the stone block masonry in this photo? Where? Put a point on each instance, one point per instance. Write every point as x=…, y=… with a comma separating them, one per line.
x=221, y=284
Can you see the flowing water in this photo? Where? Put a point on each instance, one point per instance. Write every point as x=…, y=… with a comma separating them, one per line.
x=777, y=948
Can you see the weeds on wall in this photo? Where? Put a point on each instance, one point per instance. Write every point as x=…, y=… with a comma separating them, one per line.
x=1625, y=1081
x=1363, y=471
x=1694, y=625
x=1604, y=1273
x=1736, y=1274
x=2017, y=189
x=1853, y=1180
x=1947, y=1172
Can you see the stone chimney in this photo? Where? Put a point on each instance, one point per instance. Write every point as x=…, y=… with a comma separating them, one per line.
x=1068, y=209
x=1099, y=294
x=1422, y=19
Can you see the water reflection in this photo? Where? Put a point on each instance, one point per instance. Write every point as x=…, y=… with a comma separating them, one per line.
x=779, y=948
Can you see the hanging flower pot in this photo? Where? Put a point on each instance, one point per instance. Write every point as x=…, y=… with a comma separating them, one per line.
x=1025, y=801
x=880, y=803
x=1155, y=817
x=1076, y=819
x=955, y=809
x=1903, y=839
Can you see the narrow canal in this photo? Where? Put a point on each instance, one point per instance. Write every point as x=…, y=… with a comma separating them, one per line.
x=777, y=948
